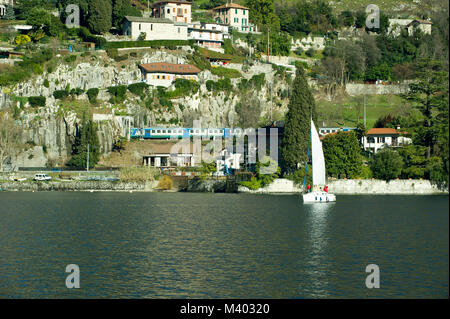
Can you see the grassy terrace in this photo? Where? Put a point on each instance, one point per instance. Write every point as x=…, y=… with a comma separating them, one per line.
x=214, y=54
x=345, y=111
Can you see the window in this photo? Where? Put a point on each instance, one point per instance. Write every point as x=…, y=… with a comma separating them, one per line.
x=151, y=27
x=168, y=11
x=235, y=11
x=370, y=139
x=164, y=77
x=139, y=27
x=185, y=10
x=381, y=140
x=179, y=30
x=173, y=10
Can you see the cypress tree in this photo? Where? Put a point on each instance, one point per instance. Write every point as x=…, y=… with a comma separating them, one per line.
x=100, y=16
x=301, y=107
x=86, y=135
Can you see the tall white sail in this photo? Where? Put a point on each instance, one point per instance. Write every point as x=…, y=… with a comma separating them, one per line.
x=318, y=161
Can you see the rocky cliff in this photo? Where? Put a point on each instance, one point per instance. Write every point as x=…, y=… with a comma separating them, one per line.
x=49, y=131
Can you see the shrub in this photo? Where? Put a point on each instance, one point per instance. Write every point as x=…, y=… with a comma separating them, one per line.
x=118, y=93
x=76, y=91
x=183, y=87
x=298, y=51
x=165, y=183
x=310, y=52
x=138, y=174
x=70, y=58
x=386, y=164
x=137, y=88
x=60, y=94
x=36, y=101
x=46, y=83
x=92, y=95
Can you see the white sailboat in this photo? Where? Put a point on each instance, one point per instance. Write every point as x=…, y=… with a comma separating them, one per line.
x=318, y=171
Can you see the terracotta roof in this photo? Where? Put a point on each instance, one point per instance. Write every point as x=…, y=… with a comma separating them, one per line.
x=170, y=68
x=231, y=5
x=382, y=131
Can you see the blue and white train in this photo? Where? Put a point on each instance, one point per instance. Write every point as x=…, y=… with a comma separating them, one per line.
x=177, y=132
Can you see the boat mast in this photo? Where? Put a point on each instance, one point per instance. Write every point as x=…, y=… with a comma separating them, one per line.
x=306, y=163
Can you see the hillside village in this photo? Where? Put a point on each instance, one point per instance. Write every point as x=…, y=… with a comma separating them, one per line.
x=135, y=76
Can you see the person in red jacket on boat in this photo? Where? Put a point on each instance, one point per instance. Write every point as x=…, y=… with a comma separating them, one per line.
x=308, y=188
x=326, y=189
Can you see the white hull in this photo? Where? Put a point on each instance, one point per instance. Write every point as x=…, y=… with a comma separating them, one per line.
x=318, y=197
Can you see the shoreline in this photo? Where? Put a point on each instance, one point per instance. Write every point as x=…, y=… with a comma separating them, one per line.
x=278, y=187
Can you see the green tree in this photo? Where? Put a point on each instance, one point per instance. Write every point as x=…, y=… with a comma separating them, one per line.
x=262, y=13
x=301, y=109
x=343, y=154
x=429, y=94
x=100, y=16
x=120, y=9
x=9, y=13
x=86, y=135
x=38, y=18
x=386, y=164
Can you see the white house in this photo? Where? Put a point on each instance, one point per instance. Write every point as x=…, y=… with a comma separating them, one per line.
x=3, y=5
x=230, y=159
x=330, y=130
x=169, y=155
x=422, y=25
x=397, y=25
x=377, y=138
x=177, y=10
x=164, y=74
x=154, y=29
x=234, y=15
x=209, y=35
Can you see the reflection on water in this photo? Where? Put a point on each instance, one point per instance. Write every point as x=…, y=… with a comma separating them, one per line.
x=179, y=245
x=317, y=215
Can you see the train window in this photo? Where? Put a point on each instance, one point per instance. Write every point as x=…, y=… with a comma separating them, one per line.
x=158, y=131
x=164, y=131
x=221, y=131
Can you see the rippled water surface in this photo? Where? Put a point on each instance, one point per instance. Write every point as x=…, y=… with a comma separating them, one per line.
x=179, y=245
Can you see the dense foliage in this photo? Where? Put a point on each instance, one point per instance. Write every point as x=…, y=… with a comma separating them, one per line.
x=301, y=109
x=386, y=164
x=86, y=134
x=342, y=155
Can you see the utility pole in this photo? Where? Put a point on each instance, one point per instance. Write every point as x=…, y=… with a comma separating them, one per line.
x=87, y=161
x=271, y=104
x=364, y=111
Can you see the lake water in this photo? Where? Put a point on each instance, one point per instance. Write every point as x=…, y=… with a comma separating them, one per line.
x=184, y=245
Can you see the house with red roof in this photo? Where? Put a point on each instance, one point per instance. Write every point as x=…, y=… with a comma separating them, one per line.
x=164, y=74
x=378, y=138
